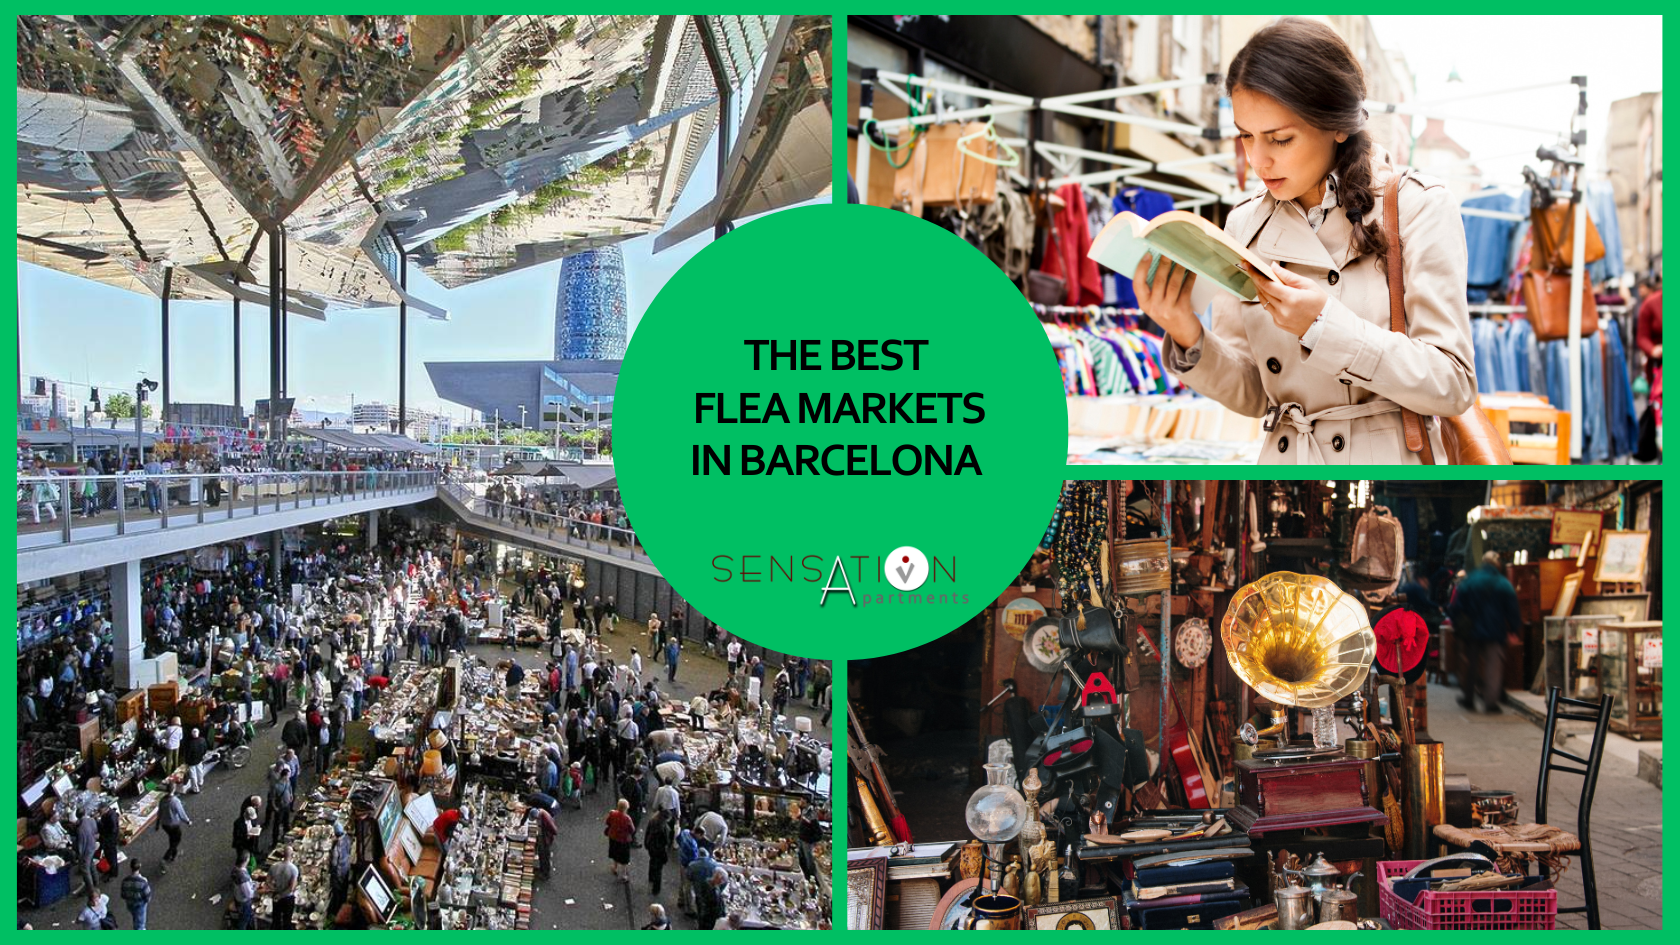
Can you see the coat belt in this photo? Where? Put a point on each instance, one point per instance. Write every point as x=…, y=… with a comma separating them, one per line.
x=1296, y=416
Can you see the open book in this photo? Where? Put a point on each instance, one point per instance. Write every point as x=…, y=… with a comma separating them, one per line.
x=1186, y=239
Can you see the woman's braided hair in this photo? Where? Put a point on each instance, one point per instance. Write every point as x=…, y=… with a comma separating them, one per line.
x=1307, y=68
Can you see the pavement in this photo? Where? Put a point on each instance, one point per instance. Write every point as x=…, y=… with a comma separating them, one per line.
x=580, y=894
x=1503, y=752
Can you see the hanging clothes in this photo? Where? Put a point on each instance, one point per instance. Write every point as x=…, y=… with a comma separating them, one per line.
x=1489, y=242
x=1103, y=360
x=1595, y=428
x=1516, y=347
x=1485, y=347
x=1601, y=206
x=1067, y=255
x=1623, y=419
x=1148, y=204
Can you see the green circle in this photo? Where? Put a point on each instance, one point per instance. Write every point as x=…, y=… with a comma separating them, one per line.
x=754, y=552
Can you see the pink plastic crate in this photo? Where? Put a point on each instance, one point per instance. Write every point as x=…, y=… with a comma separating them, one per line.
x=1506, y=909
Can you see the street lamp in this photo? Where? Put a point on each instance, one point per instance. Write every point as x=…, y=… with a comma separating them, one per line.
x=141, y=389
x=521, y=416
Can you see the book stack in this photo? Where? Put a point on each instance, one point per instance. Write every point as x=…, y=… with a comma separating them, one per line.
x=1183, y=895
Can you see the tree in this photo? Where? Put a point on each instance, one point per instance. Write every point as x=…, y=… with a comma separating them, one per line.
x=120, y=406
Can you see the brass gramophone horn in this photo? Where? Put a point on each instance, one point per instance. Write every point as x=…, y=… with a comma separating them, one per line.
x=1298, y=639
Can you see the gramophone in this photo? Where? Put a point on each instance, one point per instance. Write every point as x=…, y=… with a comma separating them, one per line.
x=1301, y=642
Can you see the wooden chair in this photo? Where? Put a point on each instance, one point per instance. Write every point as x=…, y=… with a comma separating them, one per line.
x=1503, y=409
x=1559, y=707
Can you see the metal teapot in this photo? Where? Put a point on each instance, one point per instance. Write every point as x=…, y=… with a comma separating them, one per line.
x=1321, y=874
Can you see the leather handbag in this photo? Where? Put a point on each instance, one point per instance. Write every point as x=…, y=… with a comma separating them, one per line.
x=1546, y=295
x=1470, y=439
x=1554, y=237
x=1046, y=289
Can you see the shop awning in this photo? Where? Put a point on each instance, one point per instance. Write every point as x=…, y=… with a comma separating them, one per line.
x=531, y=467
x=591, y=478
x=93, y=437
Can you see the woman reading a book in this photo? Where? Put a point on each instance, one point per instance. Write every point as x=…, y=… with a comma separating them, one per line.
x=1314, y=353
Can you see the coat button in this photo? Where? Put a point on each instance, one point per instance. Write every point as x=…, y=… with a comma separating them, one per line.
x=1347, y=382
x=1273, y=366
x=1336, y=442
x=1283, y=444
x=1335, y=277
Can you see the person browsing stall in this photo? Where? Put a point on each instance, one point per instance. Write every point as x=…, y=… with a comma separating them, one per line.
x=1315, y=355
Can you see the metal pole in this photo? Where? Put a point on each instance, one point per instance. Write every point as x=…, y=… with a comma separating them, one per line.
x=168, y=277
x=276, y=338
x=139, y=442
x=236, y=400
x=285, y=323
x=866, y=112
x=402, y=335
x=1577, y=277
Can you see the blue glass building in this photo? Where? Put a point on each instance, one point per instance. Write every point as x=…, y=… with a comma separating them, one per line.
x=590, y=318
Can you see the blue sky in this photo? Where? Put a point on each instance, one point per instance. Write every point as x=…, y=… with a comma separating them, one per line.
x=90, y=334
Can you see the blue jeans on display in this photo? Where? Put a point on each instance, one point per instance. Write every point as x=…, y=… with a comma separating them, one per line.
x=1485, y=345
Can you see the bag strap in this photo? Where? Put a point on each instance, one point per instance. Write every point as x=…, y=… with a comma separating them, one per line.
x=1417, y=438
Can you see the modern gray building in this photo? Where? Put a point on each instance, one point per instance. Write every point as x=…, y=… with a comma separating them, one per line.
x=566, y=391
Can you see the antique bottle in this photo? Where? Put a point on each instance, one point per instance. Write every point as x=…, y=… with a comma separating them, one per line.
x=995, y=813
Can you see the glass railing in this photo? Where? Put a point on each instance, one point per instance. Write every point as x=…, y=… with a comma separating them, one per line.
x=609, y=540
x=65, y=509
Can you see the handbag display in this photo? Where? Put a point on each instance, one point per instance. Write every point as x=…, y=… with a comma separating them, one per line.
x=1470, y=439
x=1554, y=237
x=1546, y=296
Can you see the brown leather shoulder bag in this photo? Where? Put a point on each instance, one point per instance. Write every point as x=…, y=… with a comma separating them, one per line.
x=1470, y=440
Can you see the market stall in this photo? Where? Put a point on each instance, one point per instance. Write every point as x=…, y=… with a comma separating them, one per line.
x=1207, y=705
x=1010, y=139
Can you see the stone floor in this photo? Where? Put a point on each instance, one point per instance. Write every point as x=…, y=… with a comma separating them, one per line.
x=1503, y=752
x=580, y=894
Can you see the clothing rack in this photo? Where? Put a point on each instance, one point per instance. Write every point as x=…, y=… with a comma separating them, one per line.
x=1084, y=311
x=995, y=102
x=1489, y=308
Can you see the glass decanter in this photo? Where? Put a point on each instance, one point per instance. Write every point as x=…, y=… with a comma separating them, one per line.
x=996, y=813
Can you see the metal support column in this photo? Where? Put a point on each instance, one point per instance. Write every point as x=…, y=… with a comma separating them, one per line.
x=720, y=80
x=276, y=337
x=402, y=335
x=168, y=278
x=236, y=347
x=285, y=322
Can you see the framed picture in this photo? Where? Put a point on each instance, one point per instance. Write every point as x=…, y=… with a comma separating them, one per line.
x=1629, y=608
x=1565, y=603
x=1621, y=557
x=866, y=894
x=1572, y=528
x=1084, y=915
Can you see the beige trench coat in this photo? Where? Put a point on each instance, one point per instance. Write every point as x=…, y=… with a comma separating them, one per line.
x=1339, y=402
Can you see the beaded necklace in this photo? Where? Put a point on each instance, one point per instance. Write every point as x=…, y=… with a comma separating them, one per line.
x=1081, y=528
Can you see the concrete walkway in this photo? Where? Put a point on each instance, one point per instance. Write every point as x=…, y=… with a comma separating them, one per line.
x=1503, y=752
